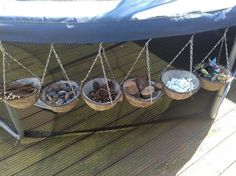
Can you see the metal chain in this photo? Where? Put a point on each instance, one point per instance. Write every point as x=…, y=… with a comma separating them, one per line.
x=91, y=67
x=107, y=62
x=45, y=69
x=105, y=76
x=214, y=47
x=135, y=62
x=177, y=55
x=148, y=66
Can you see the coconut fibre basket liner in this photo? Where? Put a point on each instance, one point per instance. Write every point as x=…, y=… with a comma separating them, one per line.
x=29, y=99
x=166, y=76
x=213, y=85
x=139, y=102
x=88, y=87
x=66, y=106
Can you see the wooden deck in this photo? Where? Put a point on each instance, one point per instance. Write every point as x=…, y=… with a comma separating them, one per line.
x=192, y=146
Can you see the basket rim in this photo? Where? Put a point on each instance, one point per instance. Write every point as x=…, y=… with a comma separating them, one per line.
x=215, y=82
x=139, y=98
x=28, y=95
x=75, y=98
x=84, y=96
x=181, y=93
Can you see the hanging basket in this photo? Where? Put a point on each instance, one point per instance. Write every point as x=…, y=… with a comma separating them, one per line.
x=60, y=96
x=100, y=106
x=29, y=99
x=214, y=85
x=137, y=100
x=168, y=75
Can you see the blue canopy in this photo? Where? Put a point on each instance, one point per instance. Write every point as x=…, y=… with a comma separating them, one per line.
x=110, y=21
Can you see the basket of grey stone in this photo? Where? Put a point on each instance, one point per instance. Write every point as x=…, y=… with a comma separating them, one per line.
x=61, y=96
x=180, y=84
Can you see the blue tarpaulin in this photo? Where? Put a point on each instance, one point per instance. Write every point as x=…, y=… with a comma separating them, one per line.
x=111, y=21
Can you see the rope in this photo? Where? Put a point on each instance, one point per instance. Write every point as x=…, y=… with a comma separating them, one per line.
x=135, y=62
x=191, y=55
x=148, y=66
x=60, y=64
x=221, y=47
x=226, y=52
x=61, y=67
x=107, y=62
x=104, y=73
x=45, y=69
x=177, y=55
x=90, y=69
x=15, y=60
x=214, y=47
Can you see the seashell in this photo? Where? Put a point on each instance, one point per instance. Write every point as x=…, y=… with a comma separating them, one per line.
x=49, y=97
x=53, y=92
x=59, y=102
x=55, y=96
x=55, y=87
x=44, y=97
x=62, y=92
x=49, y=89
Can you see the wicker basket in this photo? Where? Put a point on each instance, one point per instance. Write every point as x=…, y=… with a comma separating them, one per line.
x=166, y=76
x=139, y=102
x=100, y=106
x=28, y=100
x=65, y=107
x=213, y=85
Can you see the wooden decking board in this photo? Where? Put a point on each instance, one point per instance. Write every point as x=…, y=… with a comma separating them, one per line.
x=133, y=163
x=221, y=160
x=22, y=153
x=83, y=154
x=174, y=160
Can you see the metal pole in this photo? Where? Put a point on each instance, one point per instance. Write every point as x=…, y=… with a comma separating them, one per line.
x=16, y=121
x=221, y=94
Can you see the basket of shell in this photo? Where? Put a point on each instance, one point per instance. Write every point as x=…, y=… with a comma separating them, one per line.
x=139, y=93
x=96, y=95
x=61, y=96
x=180, y=84
x=21, y=93
x=212, y=75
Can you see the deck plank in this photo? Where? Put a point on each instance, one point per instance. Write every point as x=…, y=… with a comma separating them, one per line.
x=181, y=158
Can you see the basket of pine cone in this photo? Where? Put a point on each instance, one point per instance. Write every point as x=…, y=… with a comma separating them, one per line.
x=95, y=94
